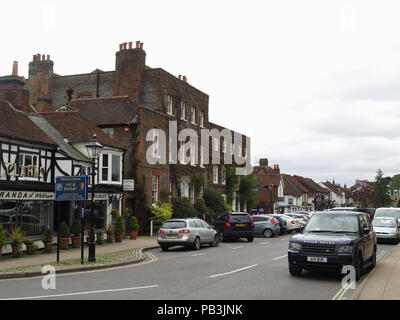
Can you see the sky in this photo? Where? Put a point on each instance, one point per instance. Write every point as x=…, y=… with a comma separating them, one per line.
x=315, y=84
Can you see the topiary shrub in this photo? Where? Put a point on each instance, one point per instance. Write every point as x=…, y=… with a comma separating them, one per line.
x=76, y=227
x=3, y=237
x=119, y=225
x=133, y=223
x=64, y=231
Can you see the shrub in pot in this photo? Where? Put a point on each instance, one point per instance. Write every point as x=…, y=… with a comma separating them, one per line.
x=48, y=241
x=64, y=236
x=100, y=237
x=110, y=233
x=133, y=227
x=119, y=229
x=29, y=246
x=16, y=236
x=2, y=238
x=76, y=229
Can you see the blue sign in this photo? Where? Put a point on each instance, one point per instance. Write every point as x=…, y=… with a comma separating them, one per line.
x=71, y=188
x=258, y=210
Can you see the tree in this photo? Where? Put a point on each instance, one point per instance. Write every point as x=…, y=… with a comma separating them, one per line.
x=183, y=208
x=201, y=208
x=246, y=190
x=382, y=197
x=161, y=212
x=214, y=202
x=395, y=182
x=232, y=184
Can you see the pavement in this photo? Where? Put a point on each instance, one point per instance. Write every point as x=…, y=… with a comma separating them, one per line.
x=40, y=257
x=383, y=283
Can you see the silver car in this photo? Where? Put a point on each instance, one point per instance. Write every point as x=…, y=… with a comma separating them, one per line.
x=387, y=228
x=188, y=232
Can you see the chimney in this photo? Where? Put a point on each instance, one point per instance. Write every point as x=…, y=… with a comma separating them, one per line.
x=141, y=45
x=15, y=68
x=137, y=44
x=264, y=162
x=130, y=45
x=180, y=77
x=184, y=79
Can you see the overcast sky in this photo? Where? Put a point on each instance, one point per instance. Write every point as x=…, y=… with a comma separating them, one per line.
x=315, y=84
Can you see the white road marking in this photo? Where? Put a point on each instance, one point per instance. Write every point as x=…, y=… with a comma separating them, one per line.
x=198, y=254
x=280, y=257
x=265, y=242
x=234, y=271
x=82, y=293
x=234, y=248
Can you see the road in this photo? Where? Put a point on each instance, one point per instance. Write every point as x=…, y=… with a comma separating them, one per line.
x=235, y=270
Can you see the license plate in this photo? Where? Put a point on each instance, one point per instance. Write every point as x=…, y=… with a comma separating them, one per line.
x=317, y=259
x=171, y=235
x=240, y=225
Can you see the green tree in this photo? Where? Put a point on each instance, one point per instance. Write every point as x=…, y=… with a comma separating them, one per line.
x=246, y=190
x=382, y=197
x=232, y=184
x=201, y=208
x=214, y=202
x=395, y=182
x=182, y=208
x=161, y=212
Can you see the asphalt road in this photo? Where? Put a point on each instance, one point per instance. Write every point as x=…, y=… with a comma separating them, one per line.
x=235, y=270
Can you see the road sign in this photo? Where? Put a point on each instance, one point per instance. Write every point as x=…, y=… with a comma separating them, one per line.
x=72, y=188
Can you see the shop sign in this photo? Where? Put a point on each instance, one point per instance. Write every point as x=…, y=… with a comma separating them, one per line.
x=24, y=171
x=99, y=196
x=26, y=195
x=72, y=188
x=129, y=185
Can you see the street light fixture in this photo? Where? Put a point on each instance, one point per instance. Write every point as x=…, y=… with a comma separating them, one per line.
x=270, y=188
x=93, y=149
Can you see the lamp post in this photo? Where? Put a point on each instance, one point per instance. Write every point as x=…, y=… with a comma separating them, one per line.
x=270, y=188
x=93, y=149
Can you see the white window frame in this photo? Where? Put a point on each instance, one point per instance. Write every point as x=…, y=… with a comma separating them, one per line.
x=223, y=175
x=109, y=167
x=215, y=174
x=201, y=118
x=183, y=110
x=169, y=105
x=154, y=188
x=193, y=115
x=216, y=144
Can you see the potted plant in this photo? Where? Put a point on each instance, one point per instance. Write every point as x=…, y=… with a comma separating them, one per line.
x=29, y=246
x=48, y=241
x=100, y=237
x=119, y=229
x=110, y=233
x=115, y=213
x=64, y=236
x=133, y=227
x=2, y=238
x=76, y=229
x=16, y=236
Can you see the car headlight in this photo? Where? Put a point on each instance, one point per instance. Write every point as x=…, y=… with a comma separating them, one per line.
x=294, y=246
x=345, y=249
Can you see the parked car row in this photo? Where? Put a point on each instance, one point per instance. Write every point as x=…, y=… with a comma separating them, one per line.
x=194, y=232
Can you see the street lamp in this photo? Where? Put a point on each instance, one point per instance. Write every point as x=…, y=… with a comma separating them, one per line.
x=93, y=149
x=270, y=188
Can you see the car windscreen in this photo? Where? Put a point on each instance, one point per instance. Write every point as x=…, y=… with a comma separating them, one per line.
x=384, y=223
x=389, y=213
x=173, y=225
x=240, y=218
x=332, y=223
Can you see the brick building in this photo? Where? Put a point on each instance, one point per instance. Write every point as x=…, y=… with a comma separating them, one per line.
x=127, y=103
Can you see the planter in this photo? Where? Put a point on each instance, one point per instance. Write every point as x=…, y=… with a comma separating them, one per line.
x=76, y=241
x=133, y=234
x=109, y=238
x=119, y=236
x=16, y=252
x=48, y=246
x=64, y=243
x=29, y=249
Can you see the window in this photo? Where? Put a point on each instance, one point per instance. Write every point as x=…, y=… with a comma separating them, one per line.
x=111, y=168
x=224, y=146
x=154, y=189
x=109, y=131
x=192, y=194
x=193, y=115
x=169, y=105
x=223, y=175
x=216, y=144
x=183, y=110
x=27, y=160
x=201, y=156
x=215, y=174
x=201, y=120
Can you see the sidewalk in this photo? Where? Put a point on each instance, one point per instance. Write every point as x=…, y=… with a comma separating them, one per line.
x=383, y=283
x=40, y=257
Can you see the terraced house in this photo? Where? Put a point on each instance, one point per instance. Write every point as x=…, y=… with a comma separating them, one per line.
x=149, y=112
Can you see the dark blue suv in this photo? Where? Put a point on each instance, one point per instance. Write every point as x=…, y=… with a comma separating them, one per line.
x=333, y=239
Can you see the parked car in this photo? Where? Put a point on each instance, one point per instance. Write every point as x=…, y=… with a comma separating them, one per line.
x=282, y=223
x=370, y=211
x=267, y=226
x=235, y=225
x=388, y=213
x=189, y=232
x=301, y=218
x=387, y=229
x=291, y=224
x=334, y=239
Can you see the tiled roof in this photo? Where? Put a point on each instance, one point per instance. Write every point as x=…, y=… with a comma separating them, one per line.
x=16, y=124
x=267, y=176
x=331, y=187
x=310, y=185
x=77, y=129
x=290, y=186
x=107, y=110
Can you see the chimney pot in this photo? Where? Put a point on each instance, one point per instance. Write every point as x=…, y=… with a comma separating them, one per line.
x=130, y=45
x=120, y=47
x=137, y=44
x=15, y=68
x=38, y=57
x=48, y=57
x=43, y=58
x=180, y=77
x=141, y=45
x=184, y=79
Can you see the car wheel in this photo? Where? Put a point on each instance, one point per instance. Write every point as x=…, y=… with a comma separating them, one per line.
x=373, y=265
x=295, y=271
x=216, y=241
x=221, y=237
x=250, y=239
x=164, y=248
x=196, y=244
x=359, y=267
x=268, y=233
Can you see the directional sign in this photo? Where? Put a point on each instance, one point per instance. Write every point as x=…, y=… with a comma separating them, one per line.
x=72, y=188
